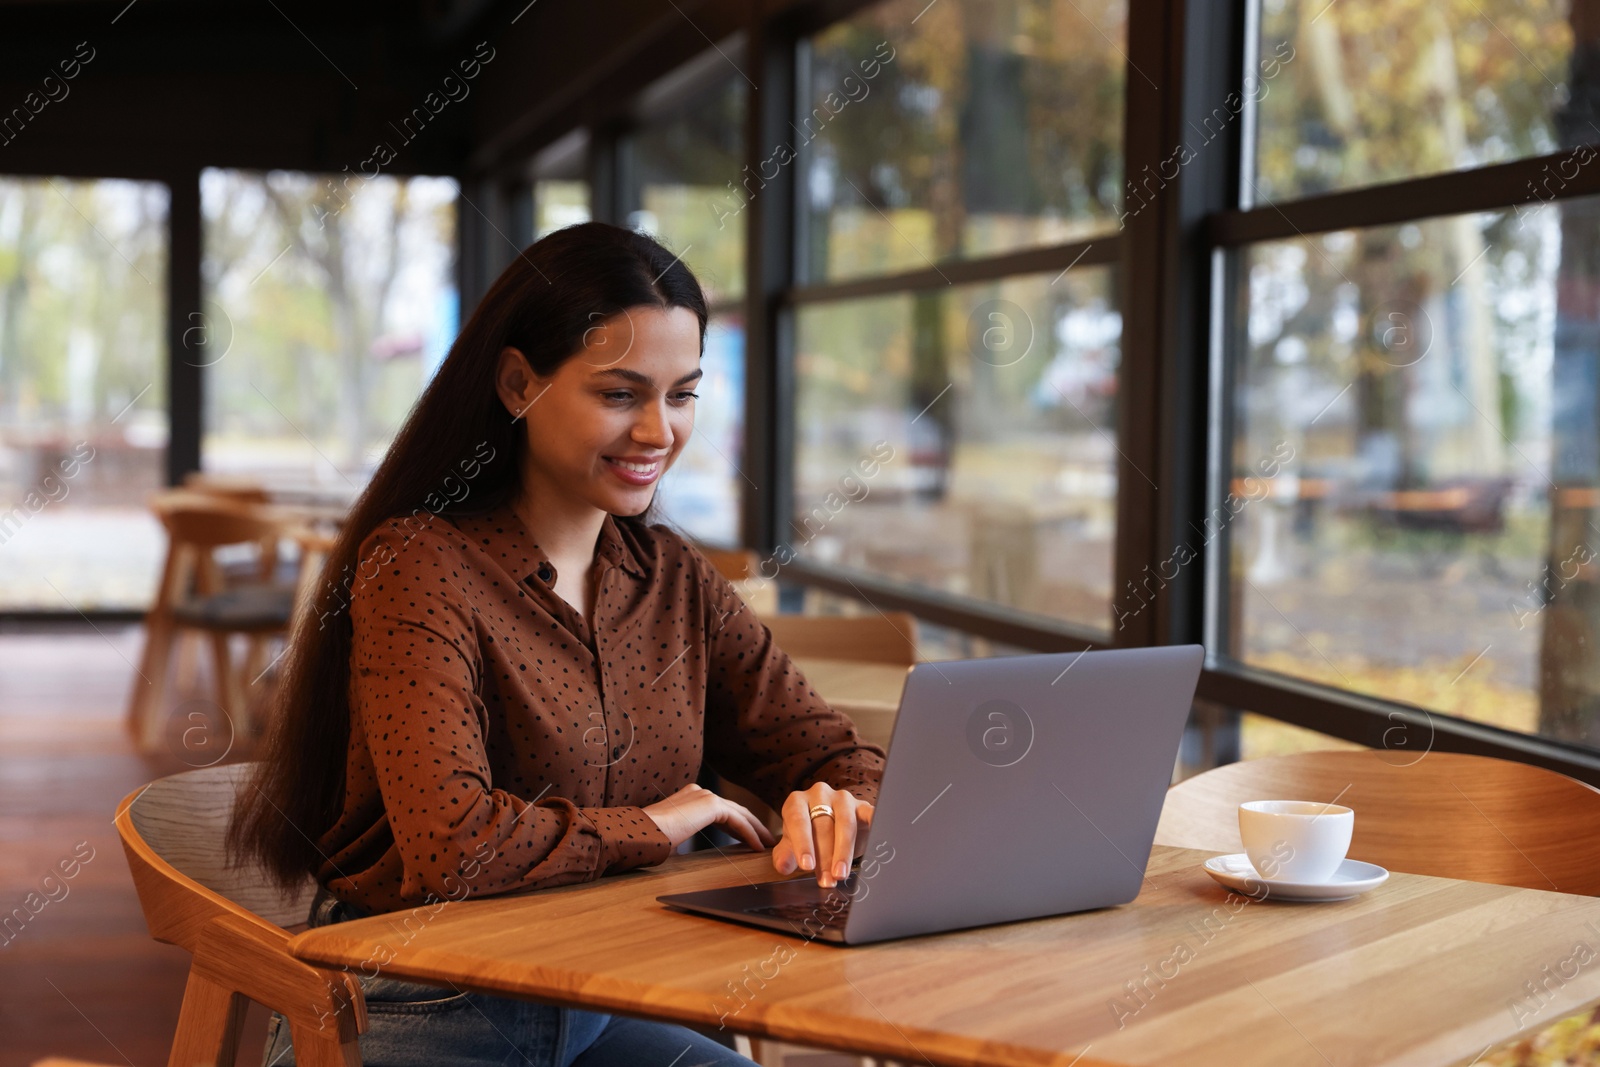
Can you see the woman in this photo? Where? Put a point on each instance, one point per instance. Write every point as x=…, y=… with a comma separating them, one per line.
x=512, y=678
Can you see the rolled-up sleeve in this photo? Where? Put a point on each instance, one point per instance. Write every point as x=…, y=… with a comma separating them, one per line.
x=766, y=727
x=414, y=690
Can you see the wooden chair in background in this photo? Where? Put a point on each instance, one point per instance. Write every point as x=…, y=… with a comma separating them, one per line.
x=742, y=567
x=734, y=564
x=884, y=637
x=1445, y=814
x=194, y=595
x=240, y=490
x=231, y=921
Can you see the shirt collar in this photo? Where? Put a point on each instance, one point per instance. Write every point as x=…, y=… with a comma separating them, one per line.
x=501, y=534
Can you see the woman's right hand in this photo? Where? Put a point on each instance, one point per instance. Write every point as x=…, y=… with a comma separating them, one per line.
x=692, y=809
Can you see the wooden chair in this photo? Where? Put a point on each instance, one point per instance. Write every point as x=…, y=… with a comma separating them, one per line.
x=240, y=490
x=742, y=567
x=1445, y=814
x=231, y=921
x=883, y=637
x=1468, y=817
x=734, y=564
x=194, y=596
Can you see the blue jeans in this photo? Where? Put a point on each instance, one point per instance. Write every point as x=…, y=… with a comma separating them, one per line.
x=415, y=1025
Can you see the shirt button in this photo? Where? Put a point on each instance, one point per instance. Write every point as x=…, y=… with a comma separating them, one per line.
x=545, y=573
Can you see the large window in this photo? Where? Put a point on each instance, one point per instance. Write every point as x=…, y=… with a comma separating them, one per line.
x=560, y=185
x=83, y=392
x=330, y=300
x=972, y=432
x=1410, y=501
x=681, y=163
x=1363, y=91
x=1401, y=550
x=954, y=130
x=961, y=438
x=1317, y=385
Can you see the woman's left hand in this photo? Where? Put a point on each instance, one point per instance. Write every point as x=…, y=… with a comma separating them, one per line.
x=825, y=844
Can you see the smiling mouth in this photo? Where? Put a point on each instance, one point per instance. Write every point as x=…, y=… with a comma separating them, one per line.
x=632, y=467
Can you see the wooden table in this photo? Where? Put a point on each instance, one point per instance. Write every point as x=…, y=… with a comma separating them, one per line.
x=1419, y=971
x=869, y=693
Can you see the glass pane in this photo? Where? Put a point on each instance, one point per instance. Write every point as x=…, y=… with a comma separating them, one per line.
x=83, y=392
x=686, y=165
x=330, y=306
x=700, y=494
x=939, y=131
x=1416, y=473
x=934, y=642
x=558, y=204
x=1355, y=92
x=1260, y=736
x=964, y=440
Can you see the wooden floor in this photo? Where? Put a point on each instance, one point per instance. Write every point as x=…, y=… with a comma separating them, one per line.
x=80, y=976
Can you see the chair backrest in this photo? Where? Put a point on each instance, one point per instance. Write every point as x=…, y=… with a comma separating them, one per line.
x=884, y=637
x=232, y=923
x=1445, y=814
x=734, y=564
x=209, y=521
x=246, y=490
x=173, y=831
x=199, y=523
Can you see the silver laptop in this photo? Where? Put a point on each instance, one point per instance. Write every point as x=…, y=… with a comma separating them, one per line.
x=1016, y=787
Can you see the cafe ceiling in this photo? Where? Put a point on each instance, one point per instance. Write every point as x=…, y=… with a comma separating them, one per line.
x=162, y=86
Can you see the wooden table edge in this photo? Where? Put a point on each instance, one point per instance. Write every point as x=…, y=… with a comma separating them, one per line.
x=642, y=1001
x=880, y=1037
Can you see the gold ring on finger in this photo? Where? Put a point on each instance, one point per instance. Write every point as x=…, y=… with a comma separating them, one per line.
x=819, y=810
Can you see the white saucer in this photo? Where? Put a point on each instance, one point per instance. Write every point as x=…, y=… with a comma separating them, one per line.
x=1351, y=879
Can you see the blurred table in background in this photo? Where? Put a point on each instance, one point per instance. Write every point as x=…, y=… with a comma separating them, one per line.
x=315, y=503
x=869, y=693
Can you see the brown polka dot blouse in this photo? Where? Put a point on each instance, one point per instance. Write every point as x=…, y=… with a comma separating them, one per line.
x=498, y=743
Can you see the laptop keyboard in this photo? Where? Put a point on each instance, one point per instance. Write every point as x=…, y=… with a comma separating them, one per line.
x=829, y=917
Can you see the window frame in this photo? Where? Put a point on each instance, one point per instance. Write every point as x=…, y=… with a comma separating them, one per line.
x=778, y=234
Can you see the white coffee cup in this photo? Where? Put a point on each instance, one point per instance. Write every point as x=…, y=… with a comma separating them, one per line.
x=1295, y=840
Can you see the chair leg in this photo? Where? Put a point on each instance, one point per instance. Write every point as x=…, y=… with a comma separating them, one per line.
x=255, y=658
x=253, y=679
x=148, y=707
x=208, y=1025
x=766, y=1053
x=313, y=1048
x=188, y=653
x=230, y=693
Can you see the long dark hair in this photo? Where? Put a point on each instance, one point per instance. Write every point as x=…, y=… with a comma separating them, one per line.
x=557, y=288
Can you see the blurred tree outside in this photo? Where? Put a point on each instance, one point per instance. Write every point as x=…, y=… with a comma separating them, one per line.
x=935, y=133
x=996, y=125
x=330, y=300
x=1408, y=363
